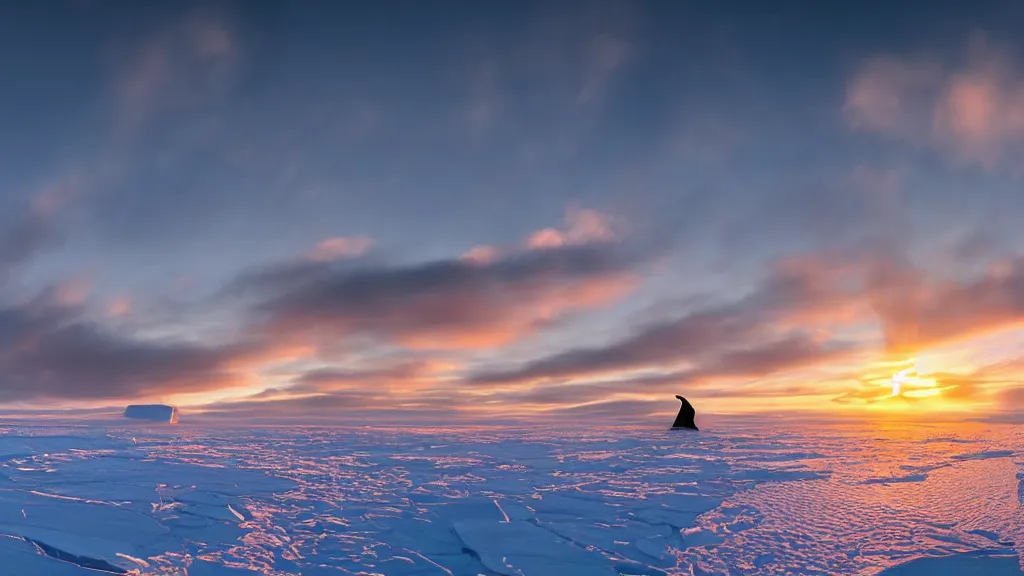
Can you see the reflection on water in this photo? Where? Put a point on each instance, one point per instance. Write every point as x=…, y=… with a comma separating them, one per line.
x=751, y=500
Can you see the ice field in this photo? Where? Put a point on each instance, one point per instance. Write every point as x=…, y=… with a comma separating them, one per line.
x=732, y=499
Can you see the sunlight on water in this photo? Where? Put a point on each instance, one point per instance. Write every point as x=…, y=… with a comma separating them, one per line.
x=834, y=499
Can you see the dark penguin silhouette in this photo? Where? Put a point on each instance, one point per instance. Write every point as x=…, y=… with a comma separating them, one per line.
x=685, y=417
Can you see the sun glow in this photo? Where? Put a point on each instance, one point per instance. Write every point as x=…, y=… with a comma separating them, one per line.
x=894, y=380
x=913, y=382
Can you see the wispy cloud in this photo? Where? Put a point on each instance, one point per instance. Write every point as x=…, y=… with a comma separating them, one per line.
x=606, y=54
x=886, y=92
x=28, y=233
x=974, y=110
x=187, y=59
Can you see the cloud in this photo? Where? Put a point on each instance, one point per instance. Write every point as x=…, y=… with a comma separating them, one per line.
x=956, y=389
x=184, y=60
x=363, y=405
x=605, y=55
x=1012, y=399
x=404, y=376
x=481, y=254
x=553, y=395
x=119, y=307
x=732, y=338
x=489, y=298
x=582, y=226
x=917, y=312
x=49, y=349
x=339, y=247
x=486, y=102
x=34, y=229
x=451, y=303
x=880, y=96
x=790, y=323
x=787, y=353
x=974, y=111
x=628, y=410
x=72, y=293
x=786, y=325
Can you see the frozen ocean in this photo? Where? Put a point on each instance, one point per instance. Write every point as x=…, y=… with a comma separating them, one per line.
x=736, y=498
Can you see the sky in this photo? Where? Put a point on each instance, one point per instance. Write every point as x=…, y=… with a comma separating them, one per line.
x=531, y=210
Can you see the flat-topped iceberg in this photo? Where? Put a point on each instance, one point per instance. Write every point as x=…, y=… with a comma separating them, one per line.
x=154, y=412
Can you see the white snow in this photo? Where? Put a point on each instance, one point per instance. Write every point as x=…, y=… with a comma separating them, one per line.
x=959, y=565
x=528, y=549
x=732, y=499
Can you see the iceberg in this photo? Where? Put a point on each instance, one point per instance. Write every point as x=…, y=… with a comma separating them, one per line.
x=154, y=412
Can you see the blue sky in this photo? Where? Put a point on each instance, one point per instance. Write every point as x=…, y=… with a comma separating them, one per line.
x=202, y=202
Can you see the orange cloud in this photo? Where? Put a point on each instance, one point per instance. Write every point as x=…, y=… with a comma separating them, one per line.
x=743, y=338
x=515, y=320
x=917, y=312
x=464, y=318
x=401, y=378
x=784, y=339
x=581, y=226
x=340, y=247
x=484, y=299
x=980, y=113
x=769, y=335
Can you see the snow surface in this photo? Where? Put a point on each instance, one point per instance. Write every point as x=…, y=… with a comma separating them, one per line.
x=734, y=499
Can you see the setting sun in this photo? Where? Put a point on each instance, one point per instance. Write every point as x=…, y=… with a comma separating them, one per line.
x=912, y=383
